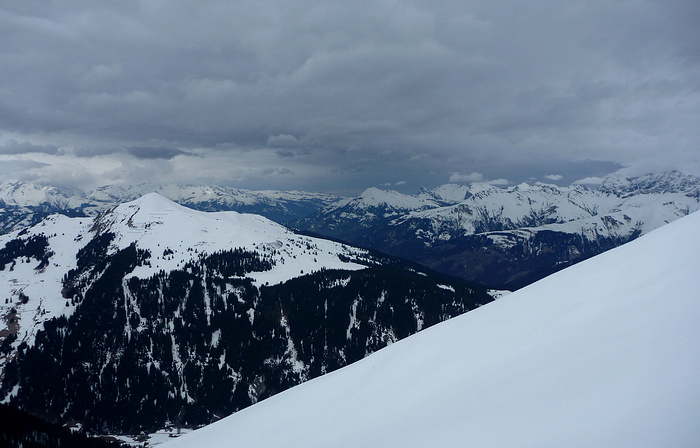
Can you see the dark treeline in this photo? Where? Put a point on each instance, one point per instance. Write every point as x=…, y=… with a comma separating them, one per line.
x=36, y=247
x=20, y=429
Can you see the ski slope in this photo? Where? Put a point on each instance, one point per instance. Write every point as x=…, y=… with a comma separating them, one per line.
x=603, y=354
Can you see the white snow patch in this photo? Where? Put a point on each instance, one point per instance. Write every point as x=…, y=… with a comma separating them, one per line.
x=215, y=338
x=153, y=439
x=498, y=293
x=251, y=315
x=354, y=323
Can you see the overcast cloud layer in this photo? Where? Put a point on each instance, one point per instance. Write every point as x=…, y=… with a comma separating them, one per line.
x=339, y=96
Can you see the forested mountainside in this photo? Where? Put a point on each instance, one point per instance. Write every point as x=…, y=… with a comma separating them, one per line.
x=152, y=314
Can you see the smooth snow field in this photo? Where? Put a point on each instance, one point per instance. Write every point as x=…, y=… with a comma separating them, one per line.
x=603, y=354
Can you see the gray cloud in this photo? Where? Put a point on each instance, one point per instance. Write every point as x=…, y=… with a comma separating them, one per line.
x=277, y=172
x=10, y=169
x=285, y=153
x=466, y=178
x=282, y=140
x=425, y=89
x=15, y=147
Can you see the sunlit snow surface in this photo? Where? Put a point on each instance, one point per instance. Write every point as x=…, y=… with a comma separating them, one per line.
x=603, y=354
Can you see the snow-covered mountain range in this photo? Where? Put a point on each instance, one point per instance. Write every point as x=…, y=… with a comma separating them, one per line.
x=23, y=204
x=507, y=236
x=153, y=314
x=502, y=237
x=605, y=353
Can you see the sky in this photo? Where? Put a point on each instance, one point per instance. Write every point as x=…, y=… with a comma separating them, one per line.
x=338, y=96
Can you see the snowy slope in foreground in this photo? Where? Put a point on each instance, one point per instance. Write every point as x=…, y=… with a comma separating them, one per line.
x=605, y=353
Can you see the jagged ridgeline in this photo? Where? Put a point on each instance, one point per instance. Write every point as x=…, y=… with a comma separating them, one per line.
x=190, y=345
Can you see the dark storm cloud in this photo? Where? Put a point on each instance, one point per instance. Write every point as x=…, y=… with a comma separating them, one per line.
x=355, y=91
x=154, y=152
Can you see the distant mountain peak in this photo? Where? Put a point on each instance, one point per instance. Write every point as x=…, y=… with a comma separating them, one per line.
x=156, y=201
x=375, y=197
x=390, y=200
x=651, y=183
